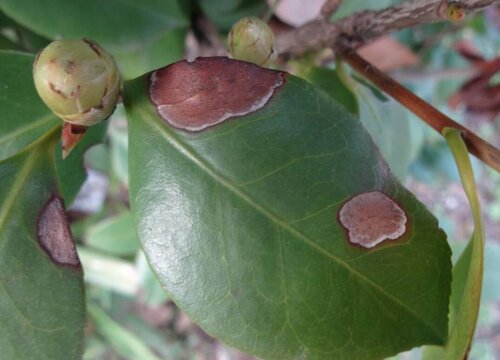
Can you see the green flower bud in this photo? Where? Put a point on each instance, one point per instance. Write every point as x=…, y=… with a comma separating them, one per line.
x=252, y=40
x=78, y=80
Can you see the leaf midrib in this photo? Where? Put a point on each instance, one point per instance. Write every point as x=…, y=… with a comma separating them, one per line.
x=189, y=153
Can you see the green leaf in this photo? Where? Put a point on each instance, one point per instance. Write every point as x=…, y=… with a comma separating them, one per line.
x=118, y=138
x=115, y=235
x=128, y=29
x=224, y=13
x=123, y=341
x=24, y=117
x=41, y=291
x=156, y=52
x=389, y=125
x=239, y=221
x=109, y=272
x=468, y=272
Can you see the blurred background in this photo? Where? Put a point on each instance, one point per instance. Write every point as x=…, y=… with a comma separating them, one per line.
x=455, y=67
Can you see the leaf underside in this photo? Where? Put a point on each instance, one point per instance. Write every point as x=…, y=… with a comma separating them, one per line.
x=239, y=221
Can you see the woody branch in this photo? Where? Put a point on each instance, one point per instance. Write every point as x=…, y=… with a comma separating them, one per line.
x=365, y=25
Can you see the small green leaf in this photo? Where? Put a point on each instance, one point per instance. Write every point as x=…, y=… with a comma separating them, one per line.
x=115, y=235
x=124, y=342
x=109, y=272
x=468, y=272
x=118, y=139
x=389, y=126
x=239, y=220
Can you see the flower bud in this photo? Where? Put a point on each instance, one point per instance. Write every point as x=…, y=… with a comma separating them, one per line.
x=77, y=80
x=252, y=40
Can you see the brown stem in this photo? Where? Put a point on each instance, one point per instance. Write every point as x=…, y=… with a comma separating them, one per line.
x=433, y=117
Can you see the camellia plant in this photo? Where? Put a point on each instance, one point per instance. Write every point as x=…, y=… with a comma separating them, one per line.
x=269, y=207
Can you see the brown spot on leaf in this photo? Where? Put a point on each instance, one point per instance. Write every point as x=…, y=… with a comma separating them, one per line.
x=195, y=95
x=54, y=234
x=371, y=218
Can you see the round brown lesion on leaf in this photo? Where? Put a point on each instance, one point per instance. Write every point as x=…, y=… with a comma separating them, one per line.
x=371, y=218
x=54, y=234
x=196, y=95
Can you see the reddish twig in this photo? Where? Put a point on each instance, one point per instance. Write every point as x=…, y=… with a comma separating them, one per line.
x=433, y=117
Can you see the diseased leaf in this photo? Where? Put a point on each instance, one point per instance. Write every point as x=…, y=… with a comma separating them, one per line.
x=42, y=308
x=468, y=271
x=41, y=283
x=239, y=221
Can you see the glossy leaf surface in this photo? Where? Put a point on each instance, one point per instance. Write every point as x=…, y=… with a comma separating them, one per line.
x=239, y=221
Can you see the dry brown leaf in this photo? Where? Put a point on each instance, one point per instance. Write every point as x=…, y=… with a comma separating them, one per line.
x=388, y=54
